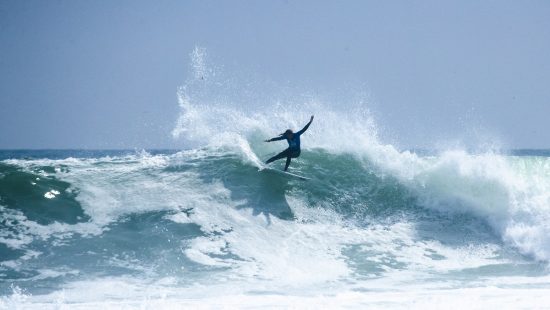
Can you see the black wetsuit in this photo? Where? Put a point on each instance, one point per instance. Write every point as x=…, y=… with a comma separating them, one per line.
x=293, y=149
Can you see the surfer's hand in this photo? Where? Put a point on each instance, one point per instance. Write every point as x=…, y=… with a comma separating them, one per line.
x=267, y=140
x=311, y=120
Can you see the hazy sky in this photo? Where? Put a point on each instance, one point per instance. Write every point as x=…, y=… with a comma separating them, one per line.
x=104, y=74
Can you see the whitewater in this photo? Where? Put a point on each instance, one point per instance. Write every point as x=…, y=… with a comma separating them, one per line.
x=207, y=227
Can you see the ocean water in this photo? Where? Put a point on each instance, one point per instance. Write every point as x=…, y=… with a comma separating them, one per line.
x=206, y=227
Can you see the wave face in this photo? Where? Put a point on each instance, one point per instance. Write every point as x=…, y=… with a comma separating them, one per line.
x=205, y=223
x=206, y=226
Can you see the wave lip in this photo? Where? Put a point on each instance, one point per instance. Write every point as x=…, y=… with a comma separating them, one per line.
x=510, y=193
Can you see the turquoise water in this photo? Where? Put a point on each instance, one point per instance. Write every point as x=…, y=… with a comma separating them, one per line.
x=204, y=223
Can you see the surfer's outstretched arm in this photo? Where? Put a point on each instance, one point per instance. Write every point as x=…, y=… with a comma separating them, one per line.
x=276, y=139
x=305, y=127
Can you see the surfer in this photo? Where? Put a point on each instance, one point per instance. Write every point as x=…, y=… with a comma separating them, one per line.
x=293, y=140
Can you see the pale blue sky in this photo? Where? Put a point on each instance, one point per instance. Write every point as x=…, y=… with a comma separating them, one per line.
x=104, y=74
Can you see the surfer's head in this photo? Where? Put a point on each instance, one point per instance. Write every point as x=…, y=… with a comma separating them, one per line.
x=288, y=133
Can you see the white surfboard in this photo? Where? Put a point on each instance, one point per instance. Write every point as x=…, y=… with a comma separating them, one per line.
x=286, y=173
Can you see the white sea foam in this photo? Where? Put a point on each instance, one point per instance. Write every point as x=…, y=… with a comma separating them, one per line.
x=134, y=294
x=287, y=261
x=511, y=194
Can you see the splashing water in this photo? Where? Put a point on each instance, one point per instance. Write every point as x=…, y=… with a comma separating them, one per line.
x=203, y=227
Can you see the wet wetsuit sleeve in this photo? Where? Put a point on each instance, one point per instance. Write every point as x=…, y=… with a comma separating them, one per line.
x=277, y=138
x=304, y=129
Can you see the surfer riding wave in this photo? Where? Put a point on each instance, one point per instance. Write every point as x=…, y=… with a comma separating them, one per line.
x=293, y=140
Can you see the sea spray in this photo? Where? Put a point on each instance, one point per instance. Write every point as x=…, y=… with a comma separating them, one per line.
x=204, y=226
